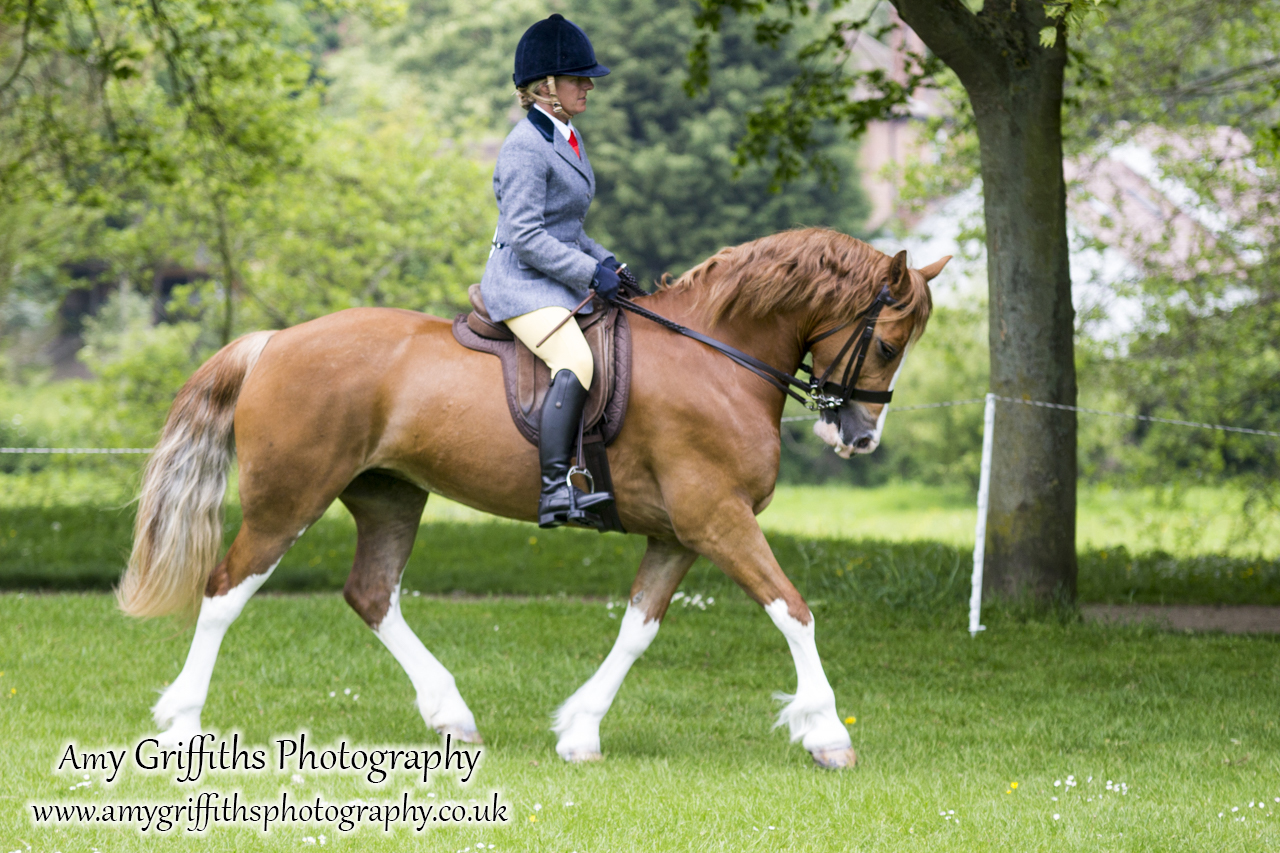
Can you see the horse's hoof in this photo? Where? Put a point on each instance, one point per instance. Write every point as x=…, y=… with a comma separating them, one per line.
x=177, y=735
x=582, y=756
x=464, y=735
x=835, y=757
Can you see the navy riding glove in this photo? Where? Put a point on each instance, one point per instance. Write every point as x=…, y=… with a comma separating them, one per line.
x=610, y=263
x=606, y=282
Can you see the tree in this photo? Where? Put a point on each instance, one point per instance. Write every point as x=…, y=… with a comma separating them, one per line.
x=106, y=104
x=1011, y=60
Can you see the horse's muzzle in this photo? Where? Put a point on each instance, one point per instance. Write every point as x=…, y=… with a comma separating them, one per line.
x=849, y=429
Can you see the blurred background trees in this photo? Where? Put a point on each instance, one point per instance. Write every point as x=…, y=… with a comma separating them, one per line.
x=176, y=172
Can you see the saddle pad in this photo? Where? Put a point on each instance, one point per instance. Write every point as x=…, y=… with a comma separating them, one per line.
x=526, y=377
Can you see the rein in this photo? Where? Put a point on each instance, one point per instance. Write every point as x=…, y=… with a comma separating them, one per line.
x=814, y=394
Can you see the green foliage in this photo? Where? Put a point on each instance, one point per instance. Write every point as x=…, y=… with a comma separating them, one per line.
x=139, y=369
x=1206, y=349
x=784, y=130
x=1171, y=78
x=206, y=148
x=670, y=192
x=382, y=212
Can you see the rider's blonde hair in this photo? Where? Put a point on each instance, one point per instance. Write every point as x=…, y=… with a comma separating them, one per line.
x=533, y=93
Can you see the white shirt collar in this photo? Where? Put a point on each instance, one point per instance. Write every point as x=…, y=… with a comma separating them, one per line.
x=564, y=127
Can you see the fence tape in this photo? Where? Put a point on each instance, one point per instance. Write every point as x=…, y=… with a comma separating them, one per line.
x=108, y=451
x=1063, y=407
x=893, y=408
x=792, y=419
x=1196, y=424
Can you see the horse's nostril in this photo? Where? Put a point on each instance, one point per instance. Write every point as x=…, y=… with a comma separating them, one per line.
x=863, y=443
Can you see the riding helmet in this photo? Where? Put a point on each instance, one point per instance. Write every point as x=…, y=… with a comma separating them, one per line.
x=555, y=46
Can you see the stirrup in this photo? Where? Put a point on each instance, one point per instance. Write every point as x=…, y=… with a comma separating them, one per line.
x=568, y=479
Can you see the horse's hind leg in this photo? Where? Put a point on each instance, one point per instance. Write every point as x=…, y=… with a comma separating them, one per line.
x=578, y=719
x=387, y=511
x=249, y=562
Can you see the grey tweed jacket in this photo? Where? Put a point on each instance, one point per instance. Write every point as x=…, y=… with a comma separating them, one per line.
x=544, y=258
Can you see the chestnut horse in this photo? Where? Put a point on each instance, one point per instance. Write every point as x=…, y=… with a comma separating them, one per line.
x=379, y=408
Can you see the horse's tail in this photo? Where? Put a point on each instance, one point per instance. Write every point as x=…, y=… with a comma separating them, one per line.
x=178, y=531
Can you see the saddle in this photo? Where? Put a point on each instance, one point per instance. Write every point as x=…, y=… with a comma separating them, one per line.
x=526, y=379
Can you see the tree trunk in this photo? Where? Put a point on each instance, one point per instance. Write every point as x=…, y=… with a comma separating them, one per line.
x=228, y=270
x=1015, y=86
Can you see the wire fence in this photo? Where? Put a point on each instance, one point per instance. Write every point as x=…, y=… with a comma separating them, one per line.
x=98, y=451
x=1063, y=407
x=919, y=407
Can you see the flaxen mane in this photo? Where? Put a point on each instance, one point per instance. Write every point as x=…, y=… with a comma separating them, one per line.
x=797, y=270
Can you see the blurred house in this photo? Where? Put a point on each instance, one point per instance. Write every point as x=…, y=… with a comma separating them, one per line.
x=1126, y=211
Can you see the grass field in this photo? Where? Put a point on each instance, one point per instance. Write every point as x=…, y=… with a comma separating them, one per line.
x=1187, y=521
x=1186, y=724
x=84, y=546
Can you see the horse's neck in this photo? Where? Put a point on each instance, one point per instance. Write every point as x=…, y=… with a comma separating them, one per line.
x=775, y=340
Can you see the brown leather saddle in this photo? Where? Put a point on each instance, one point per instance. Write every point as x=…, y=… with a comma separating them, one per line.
x=526, y=379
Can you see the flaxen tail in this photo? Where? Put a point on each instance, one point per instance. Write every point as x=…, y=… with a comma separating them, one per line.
x=178, y=532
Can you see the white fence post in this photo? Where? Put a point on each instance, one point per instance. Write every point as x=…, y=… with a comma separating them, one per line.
x=980, y=528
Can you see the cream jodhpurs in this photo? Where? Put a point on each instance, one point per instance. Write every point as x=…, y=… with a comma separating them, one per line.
x=566, y=350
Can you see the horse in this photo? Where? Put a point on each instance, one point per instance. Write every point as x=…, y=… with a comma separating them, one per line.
x=381, y=407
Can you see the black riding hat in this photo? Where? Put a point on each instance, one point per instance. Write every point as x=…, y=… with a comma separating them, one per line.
x=555, y=46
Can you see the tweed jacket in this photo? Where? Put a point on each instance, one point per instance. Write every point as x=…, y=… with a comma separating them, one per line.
x=542, y=257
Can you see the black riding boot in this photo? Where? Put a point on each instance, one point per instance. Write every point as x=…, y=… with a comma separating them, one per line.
x=562, y=502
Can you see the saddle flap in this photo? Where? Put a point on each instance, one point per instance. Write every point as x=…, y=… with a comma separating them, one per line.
x=534, y=377
x=526, y=377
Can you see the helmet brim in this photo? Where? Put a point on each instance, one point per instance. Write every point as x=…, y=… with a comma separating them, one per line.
x=596, y=70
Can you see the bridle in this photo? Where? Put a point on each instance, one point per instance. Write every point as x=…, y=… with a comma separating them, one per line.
x=860, y=342
x=819, y=393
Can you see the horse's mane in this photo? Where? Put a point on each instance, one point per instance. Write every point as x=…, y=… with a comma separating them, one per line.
x=805, y=268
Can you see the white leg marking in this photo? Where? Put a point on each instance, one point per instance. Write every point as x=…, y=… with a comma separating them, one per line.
x=178, y=710
x=578, y=719
x=811, y=712
x=439, y=701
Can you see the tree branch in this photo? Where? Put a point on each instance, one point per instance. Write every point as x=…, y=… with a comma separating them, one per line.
x=23, y=52
x=956, y=35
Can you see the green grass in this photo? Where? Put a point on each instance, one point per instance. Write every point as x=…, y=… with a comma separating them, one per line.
x=943, y=723
x=1194, y=521
x=84, y=547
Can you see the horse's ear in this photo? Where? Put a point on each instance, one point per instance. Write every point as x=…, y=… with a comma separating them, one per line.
x=931, y=272
x=898, y=278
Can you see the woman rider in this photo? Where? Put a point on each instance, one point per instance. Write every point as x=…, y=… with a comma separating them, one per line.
x=543, y=263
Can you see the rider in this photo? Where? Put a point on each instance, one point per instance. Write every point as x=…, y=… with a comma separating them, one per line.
x=542, y=262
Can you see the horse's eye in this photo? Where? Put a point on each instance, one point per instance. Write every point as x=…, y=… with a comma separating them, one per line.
x=887, y=352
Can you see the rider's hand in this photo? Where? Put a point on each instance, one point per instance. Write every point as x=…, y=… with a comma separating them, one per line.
x=610, y=263
x=606, y=282
x=629, y=279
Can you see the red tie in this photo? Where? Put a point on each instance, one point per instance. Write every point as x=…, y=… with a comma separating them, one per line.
x=573, y=141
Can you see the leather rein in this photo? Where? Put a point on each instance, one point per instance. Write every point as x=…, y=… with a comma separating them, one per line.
x=819, y=393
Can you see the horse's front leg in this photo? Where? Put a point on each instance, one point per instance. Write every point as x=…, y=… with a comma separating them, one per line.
x=577, y=721
x=731, y=538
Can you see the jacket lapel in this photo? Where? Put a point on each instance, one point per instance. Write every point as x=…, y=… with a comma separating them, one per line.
x=566, y=151
x=586, y=165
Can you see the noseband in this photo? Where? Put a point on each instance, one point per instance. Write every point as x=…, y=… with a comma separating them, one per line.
x=819, y=393
x=860, y=342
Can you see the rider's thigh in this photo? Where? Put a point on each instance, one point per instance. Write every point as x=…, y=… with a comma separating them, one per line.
x=567, y=349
